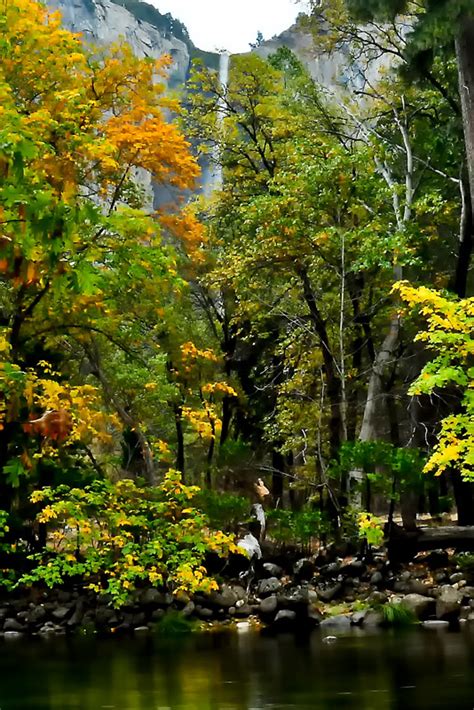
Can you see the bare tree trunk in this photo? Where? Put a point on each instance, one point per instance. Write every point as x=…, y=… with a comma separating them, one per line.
x=465, y=57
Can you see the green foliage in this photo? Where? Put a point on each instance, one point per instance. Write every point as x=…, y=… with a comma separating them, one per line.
x=224, y=510
x=371, y=528
x=397, y=615
x=296, y=527
x=174, y=623
x=115, y=536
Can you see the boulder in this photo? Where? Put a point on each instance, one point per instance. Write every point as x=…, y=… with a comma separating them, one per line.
x=13, y=625
x=330, y=593
x=272, y=570
x=304, y=569
x=268, y=586
x=268, y=605
x=341, y=621
x=225, y=598
x=376, y=578
x=61, y=612
x=204, y=613
x=419, y=605
x=285, y=619
x=373, y=619
x=448, y=603
x=435, y=624
x=188, y=609
x=36, y=614
x=357, y=618
x=456, y=577
x=244, y=610
x=9, y=635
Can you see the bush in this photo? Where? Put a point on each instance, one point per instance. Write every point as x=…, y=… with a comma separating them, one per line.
x=115, y=536
x=224, y=510
x=296, y=527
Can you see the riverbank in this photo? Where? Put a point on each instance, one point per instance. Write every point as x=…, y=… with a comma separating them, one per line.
x=326, y=591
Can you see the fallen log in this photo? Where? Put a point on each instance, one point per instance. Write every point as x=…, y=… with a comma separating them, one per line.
x=404, y=545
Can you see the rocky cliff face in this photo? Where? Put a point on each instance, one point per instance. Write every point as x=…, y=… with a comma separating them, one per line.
x=104, y=21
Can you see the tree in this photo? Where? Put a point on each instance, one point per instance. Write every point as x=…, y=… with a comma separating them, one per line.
x=77, y=127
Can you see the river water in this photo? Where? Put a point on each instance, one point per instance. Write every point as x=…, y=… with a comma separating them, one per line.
x=417, y=669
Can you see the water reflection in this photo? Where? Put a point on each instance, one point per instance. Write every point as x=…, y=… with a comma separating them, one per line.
x=419, y=669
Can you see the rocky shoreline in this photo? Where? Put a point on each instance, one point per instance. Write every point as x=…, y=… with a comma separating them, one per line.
x=333, y=595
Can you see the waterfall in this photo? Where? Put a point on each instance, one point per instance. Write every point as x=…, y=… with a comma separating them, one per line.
x=215, y=180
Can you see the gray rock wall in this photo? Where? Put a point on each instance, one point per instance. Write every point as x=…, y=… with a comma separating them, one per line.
x=104, y=22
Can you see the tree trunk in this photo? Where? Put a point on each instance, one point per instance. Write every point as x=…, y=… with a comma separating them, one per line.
x=465, y=57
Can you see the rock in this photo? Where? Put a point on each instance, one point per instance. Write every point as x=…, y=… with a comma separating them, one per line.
x=310, y=595
x=356, y=568
x=285, y=619
x=104, y=616
x=329, y=639
x=36, y=615
x=188, y=609
x=417, y=587
x=268, y=605
x=151, y=597
x=357, y=619
x=64, y=597
x=268, y=586
x=468, y=594
x=304, y=569
x=331, y=570
x=78, y=614
x=141, y=630
x=158, y=614
x=9, y=635
x=13, y=625
x=225, y=598
x=376, y=578
x=327, y=595
x=373, y=619
x=204, y=613
x=293, y=598
x=456, y=577
x=244, y=610
x=419, y=605
x=448, y=603
x=314, y=615
x=138, y=619
x=377, y=598
x=435, y=624
x=440, y=577
x=437, y=559
x=341, y=621
x=61, y=612
x=272, y=570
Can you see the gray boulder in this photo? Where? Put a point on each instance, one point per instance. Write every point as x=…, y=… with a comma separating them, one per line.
x=419, y=605
x=61, y=613
x=36, y=614
x=435, y=624
x=268, y=605
x=304, y=569
x=225, y=598
x=341, y=621
x=330, y=593
x=268, y=586
x=272, y=570
x=13, y=625
x=448, y=603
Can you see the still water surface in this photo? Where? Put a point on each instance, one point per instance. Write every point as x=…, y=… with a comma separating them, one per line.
x=421, y=670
